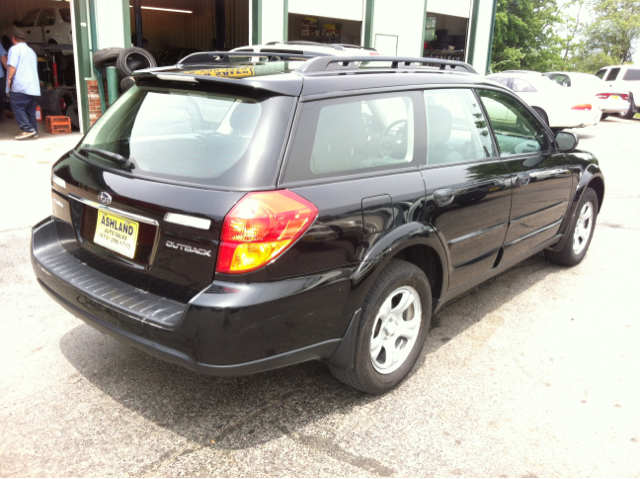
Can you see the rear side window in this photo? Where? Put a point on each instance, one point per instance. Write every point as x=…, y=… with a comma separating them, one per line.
x=520, y=85
x=47, y=18
x=456, y=127
x=515, y=128
x=601, y=73
x=613, y=74
x=352, y=135
x=194, y=137
x=632, y=74
x=65, y=14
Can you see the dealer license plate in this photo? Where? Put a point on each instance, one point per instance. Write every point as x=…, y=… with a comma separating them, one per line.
x=615, y=97
x=116, y=233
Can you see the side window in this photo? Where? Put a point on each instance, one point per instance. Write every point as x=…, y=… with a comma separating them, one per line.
x=520, y=85
x=29, y=20
x=613, y=74
x=632, y=74
x=516, y=130
x=47, y=18
x=601, y=73
x=339, y=136
x=456, y=127
x=563, y=80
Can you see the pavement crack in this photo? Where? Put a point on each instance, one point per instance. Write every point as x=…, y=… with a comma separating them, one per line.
x=328, y=447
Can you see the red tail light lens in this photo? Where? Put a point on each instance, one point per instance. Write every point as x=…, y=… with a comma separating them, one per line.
x=603, y=96
x=625, y=97
x=260, y=228
x=585, y=107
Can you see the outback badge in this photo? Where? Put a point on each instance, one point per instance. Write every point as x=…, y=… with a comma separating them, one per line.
x=104, y=198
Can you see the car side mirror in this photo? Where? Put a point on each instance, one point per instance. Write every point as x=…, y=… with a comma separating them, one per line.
x=566, y=141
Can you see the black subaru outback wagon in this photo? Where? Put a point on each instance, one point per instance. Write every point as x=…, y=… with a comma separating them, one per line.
x=238, y=214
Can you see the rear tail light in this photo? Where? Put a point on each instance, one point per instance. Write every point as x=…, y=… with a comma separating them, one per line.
x=260, y=228
x=585, y=107
x=624, y=97
x=603, y=96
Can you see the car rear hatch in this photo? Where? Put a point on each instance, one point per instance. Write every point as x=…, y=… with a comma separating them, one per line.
x=143, y=197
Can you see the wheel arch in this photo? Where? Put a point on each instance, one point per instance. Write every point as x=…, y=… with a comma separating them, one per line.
x=597, y=184
x=415, y=243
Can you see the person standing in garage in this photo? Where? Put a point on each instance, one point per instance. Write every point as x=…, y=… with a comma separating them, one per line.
x=3, y=80
x=23, y=85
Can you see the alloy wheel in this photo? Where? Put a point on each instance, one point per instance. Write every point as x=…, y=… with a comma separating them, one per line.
x=395, y=329
x=583, y=229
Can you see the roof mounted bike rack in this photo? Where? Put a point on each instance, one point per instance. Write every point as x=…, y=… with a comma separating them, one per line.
x=324, y=63
x=225, y=57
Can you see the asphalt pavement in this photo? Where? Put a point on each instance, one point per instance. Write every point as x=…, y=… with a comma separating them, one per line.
x=532, y=374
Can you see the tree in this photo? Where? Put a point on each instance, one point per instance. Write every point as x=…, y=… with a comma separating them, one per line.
x=526, y=35
x=615, y=29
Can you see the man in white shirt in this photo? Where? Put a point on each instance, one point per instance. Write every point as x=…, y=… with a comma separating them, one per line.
x=3, y=80
x=23, y=85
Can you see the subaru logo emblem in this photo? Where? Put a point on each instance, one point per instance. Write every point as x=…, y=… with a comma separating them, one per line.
x=104, y=198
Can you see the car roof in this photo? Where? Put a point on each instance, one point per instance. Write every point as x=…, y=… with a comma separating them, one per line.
x=293, y=75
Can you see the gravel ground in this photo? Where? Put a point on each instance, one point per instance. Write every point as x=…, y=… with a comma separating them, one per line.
x=534, y=373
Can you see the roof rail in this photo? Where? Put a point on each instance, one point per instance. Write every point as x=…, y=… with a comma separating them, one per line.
x=323, y=63
x=224, y=57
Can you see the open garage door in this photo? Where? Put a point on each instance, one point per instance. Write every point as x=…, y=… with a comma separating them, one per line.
x=172, y=29
x=48, y=28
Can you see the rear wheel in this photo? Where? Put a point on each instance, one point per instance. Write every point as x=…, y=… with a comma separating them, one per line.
x=396, y=316
x=581, y=233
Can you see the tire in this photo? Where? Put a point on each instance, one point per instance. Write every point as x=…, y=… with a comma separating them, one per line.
x=541, y=113
x=631, y=111
x=106, y=55
x=604, y=116
x=375, y=372
x=132, y=59
x=126, y=83
x=580, y=234
x=56, y=101
x=72, y=113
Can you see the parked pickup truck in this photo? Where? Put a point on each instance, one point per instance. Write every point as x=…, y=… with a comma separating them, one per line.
x=624, y=78
x=47, y=25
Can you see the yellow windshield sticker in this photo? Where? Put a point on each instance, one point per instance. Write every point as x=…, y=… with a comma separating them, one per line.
x=225, y=72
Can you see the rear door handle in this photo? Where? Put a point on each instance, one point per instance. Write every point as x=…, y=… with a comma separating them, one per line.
x=444, y=197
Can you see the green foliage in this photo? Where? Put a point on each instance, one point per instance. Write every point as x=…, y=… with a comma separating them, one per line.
x=543, y=35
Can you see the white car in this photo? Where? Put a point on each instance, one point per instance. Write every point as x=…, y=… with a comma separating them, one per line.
x=558, y=107
x=44, y=26
x=611, y=101
x=624, y=78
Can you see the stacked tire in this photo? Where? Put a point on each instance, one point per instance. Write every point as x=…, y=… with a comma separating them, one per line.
x=60, y=102
x=126, y=60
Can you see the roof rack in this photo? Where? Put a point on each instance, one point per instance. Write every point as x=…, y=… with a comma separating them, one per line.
x=324, y=63
x=224, y=57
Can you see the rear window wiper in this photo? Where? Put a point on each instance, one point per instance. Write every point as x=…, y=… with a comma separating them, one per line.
x=109, y=155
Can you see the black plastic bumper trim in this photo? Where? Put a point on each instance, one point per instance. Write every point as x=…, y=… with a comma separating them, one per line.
x=321, y=350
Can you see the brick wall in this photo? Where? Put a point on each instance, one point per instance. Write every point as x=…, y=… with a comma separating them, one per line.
x=95, y=111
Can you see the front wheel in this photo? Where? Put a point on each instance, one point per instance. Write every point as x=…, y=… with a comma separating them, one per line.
x=395, y=320
x=581, y=233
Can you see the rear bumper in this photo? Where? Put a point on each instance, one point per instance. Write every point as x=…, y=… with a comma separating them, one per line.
x=228, y=329
x=614, y=106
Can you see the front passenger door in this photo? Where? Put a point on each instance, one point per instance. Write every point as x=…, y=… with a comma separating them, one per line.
x=541, y=176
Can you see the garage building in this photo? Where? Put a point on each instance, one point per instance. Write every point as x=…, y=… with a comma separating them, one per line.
x=453, y=29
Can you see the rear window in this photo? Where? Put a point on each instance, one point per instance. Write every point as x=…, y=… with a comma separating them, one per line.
x=632, y=74
x=613, y=73
x=194, y=137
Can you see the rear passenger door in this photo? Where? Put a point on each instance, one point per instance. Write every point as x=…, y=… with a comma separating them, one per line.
x=356, y=158
x=468, y=186
x=541, y=176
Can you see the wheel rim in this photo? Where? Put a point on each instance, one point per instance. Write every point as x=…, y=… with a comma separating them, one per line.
x=395, y=329
x=583, y=229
